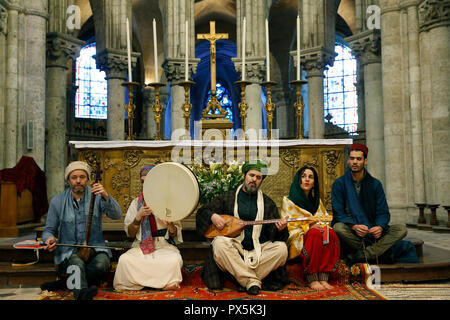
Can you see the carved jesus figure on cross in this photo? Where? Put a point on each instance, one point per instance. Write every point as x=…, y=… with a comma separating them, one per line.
x=212, y=36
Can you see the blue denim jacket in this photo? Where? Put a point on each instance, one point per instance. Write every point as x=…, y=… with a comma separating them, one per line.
x=67, y=219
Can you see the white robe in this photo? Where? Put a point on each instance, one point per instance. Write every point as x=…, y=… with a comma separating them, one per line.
x=155, y=270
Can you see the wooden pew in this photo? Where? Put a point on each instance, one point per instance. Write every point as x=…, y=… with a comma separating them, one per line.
x=15, y=209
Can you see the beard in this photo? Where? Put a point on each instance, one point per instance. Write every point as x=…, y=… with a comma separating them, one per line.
x=77, y=190
x=357, y=169
x=250, y=189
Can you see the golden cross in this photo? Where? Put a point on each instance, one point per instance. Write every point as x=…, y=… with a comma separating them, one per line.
x=212, y=36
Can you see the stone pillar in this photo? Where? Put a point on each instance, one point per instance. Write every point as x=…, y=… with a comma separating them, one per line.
x=3, y=31
x=394, y=99
x=174, y=14
x=367, y=48
x=255, y=72
x=415, y=99
x=147, y=102
x=60, y=48
x=110, y=31
x=314, y=61
x=115, y=65
x=434, y=24
x=12, y=87
x=34, y=86
x=254, y=13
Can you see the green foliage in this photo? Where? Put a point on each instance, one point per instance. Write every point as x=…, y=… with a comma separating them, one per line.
x=217, y=179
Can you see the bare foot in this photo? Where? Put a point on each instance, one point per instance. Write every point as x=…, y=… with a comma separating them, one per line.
x=326, y=285
x=172, y=286
x=316, y=285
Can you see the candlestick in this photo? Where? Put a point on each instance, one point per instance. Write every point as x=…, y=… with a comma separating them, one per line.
x=298, y=106
x=186, y=107
x=243, y=106
x=129, y=52
x=267, y=53
x=157, y=108
x=298, y=47
x=269, y=106
x=243, y=50
x=130, y=107
x=155, y=51
x=186, y=65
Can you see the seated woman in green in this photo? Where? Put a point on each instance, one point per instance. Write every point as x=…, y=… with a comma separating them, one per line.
x=313, y=240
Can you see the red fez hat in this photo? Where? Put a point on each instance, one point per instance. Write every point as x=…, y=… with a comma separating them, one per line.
x=360, y=147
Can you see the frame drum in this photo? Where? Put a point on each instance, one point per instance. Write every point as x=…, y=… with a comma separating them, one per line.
x=171, y=190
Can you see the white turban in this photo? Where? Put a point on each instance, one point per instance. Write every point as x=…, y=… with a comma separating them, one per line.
x=77, y=165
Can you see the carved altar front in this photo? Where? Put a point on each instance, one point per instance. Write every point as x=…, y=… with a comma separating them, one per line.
x=121, y=161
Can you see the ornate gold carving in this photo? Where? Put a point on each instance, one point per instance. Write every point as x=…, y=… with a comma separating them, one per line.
x=132, y=157
x=331, y=159
x=289, y=156
x=313, y=163
x=119, y=181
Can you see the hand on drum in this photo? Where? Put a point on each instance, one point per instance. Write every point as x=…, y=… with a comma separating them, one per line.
x=143, y=212
x=218, y=221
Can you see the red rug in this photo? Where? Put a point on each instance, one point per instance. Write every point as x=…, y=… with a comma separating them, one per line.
x=349, y=284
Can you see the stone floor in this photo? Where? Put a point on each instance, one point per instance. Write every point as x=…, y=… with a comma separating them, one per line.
x=436, y=290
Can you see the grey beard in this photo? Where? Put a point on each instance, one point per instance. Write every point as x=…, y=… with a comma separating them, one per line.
x=77, y=191
x=250, y=189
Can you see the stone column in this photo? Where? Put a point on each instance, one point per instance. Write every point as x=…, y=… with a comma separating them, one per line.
x=394, y=99
x=60, y=48
x=415, y=99
x=434, y=25
x=12, y=89
x=367, y=48
x=34, y=85
x=254, y=13
x=148, y=99
x=110, y=31
x=174, y=14
x=256, y=73
x=314, y=61
x=3, y=31
x=115, y=65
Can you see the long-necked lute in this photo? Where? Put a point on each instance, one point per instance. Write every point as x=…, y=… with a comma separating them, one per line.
x=85, y=252
x=234, y=226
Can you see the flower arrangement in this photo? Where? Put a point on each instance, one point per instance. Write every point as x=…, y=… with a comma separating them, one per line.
x=217, y=179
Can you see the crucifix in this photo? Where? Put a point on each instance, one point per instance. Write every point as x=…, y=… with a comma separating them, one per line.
x=213, y=103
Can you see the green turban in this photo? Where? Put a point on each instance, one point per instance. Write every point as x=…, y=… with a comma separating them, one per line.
x=255, y=165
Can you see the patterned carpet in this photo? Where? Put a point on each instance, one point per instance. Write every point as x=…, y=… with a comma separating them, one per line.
x=349, y=284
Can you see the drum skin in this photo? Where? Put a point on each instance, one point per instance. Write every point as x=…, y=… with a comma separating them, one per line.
x=171, y=190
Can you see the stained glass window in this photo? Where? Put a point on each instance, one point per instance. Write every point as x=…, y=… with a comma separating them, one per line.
x=91, y=96
x=223, y=96
x=340, y=100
